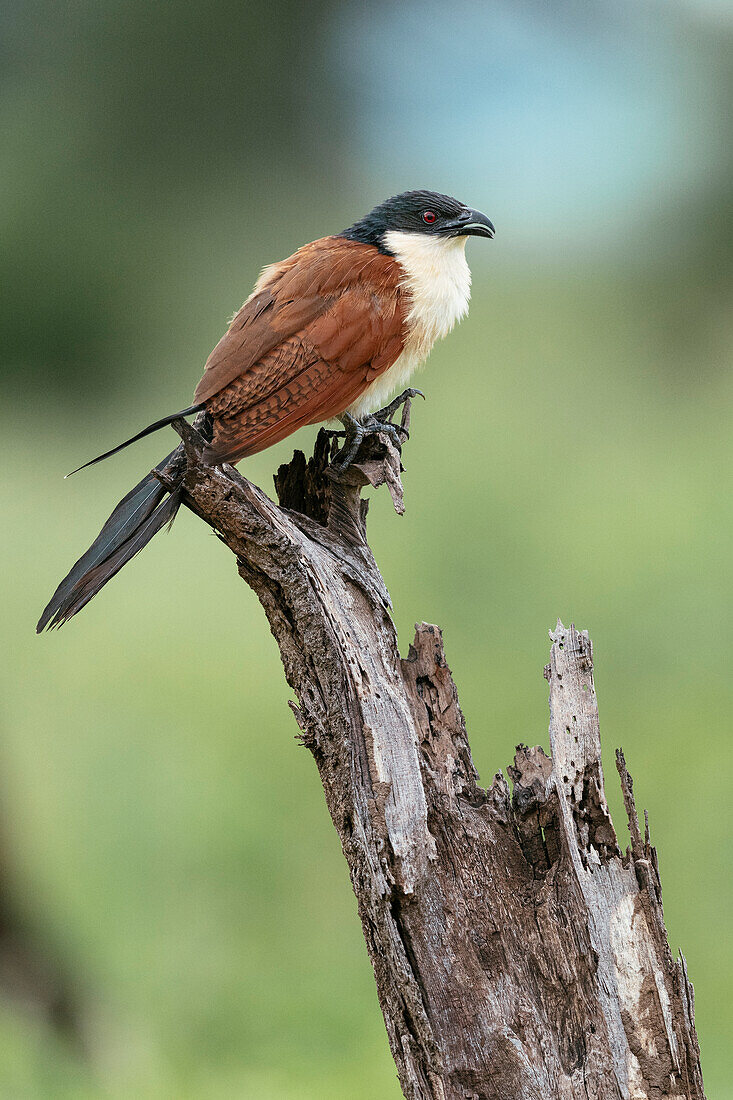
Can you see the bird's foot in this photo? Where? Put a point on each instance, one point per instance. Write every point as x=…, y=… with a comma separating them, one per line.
x=405, y=400
x=355, y=431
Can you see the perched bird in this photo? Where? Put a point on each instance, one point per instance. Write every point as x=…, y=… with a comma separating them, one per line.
x=330, y=332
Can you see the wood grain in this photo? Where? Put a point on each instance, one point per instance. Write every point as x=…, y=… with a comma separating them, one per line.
x=519, y=953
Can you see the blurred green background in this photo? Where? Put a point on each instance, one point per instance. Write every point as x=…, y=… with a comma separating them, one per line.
x=168, y=864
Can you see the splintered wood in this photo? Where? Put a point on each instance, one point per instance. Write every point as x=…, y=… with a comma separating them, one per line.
x=519, y=949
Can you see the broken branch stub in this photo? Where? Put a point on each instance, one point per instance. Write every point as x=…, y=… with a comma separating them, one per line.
x=518, y=953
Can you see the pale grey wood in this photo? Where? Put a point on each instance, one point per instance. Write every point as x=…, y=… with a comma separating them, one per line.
x=636, y=986
x=518, y=953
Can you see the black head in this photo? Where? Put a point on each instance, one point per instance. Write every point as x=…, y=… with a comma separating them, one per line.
x=424, y=212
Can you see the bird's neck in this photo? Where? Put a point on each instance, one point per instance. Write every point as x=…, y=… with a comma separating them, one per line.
x=438, y=281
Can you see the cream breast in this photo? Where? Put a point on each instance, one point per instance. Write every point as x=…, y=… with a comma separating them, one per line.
x=438, y=281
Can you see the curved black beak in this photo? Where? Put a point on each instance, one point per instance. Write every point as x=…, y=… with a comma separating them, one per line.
x=471, y=223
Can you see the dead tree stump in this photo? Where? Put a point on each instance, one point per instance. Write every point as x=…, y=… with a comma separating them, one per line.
x=519, y=952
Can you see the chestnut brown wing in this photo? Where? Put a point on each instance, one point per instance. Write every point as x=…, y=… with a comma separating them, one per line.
x=288, y=297
x=318, y=371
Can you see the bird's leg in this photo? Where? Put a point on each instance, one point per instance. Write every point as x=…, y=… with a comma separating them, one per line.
x=355, y=430
x=384, y=416
x=353, y=435
x=381, y=421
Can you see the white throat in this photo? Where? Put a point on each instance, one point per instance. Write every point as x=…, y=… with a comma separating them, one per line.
x=438, y=281
x=437, y=278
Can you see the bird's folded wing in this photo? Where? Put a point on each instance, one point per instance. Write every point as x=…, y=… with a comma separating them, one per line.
x=310, y=377
x=336, y=293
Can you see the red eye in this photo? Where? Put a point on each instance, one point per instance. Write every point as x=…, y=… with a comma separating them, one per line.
x=429, y=217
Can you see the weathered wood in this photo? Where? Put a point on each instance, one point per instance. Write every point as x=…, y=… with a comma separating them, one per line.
x=519, y=954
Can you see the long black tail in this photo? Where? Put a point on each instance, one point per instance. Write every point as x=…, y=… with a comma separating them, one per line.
x=140, y=435
x=138, y=516
x=135, y=520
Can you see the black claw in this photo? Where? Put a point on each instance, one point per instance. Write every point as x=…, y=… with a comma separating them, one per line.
x=403, y=399
x=374, y=424
x=354, y=434
x=355, y=430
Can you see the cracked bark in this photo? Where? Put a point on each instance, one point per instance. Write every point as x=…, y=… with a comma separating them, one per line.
x=519, y=953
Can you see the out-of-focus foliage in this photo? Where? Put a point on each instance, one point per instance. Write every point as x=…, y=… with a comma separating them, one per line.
x=118, y=118
x=165, y=838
